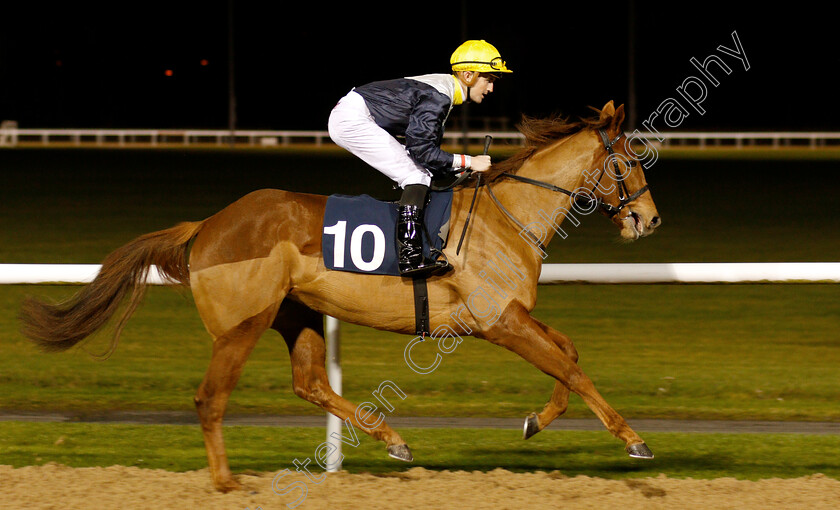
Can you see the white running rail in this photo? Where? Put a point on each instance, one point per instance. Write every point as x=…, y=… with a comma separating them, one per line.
x=551, y=273
x=11, y=136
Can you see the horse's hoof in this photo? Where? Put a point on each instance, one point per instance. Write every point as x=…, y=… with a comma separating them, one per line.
x=228, y=485
x=400, y=452
x=532, y=426
x=639, y=451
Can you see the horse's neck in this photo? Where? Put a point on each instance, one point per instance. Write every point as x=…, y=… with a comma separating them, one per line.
x=561, y=164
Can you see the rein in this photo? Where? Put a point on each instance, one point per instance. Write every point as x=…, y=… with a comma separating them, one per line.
x=487, y=140
x=584, y=200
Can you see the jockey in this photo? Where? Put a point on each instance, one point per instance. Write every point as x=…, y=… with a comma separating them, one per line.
x=367, y=120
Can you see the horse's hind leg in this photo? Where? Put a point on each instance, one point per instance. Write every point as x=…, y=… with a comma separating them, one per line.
x=230, y=351
x=517, y=331
x=303, y=330
x=559, y=401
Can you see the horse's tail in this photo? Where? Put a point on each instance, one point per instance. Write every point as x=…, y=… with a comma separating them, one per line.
x=57, y=327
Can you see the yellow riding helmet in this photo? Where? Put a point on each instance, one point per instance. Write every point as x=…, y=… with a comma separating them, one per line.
x=479, y=56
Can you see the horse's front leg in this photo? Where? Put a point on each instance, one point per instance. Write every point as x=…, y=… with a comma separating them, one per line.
x=559, y=401
x=517, y=331
x=555, y=407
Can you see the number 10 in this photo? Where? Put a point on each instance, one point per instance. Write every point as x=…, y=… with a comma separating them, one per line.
x=339, y=230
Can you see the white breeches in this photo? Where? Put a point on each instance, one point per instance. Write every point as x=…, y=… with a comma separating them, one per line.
x=352, y=127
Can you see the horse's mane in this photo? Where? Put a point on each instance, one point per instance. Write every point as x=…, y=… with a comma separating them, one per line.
x=541, y=132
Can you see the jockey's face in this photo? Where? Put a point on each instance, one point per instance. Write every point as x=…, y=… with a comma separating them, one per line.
x=483, y=86
x=480, y=84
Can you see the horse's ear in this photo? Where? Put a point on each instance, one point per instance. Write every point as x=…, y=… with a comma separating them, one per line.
x=618, y=117
x=607, y=111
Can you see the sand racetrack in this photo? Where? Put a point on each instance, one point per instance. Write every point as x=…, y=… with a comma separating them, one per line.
x=59, y=487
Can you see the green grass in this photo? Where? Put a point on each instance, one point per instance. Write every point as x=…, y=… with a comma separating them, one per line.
x=677, y=351
x=271, y=449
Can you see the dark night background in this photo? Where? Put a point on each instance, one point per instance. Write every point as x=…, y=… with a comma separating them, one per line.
x=95, y=64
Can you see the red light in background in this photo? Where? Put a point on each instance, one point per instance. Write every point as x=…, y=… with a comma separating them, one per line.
x=168, y=72
x=204, y=62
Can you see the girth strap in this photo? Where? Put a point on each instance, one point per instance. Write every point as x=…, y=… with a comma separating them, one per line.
x=421, y=306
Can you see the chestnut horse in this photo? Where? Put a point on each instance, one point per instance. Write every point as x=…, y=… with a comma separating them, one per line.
x=257, y=264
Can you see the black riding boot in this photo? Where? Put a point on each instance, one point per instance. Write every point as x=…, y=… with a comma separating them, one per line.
x=410, y=231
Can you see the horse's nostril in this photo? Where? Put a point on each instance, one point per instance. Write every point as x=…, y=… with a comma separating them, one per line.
x=654, y=222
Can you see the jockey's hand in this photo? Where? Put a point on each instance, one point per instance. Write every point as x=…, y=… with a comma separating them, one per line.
x=480, y=163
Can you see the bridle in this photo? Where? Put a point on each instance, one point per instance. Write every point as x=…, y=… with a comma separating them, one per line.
x=623, y=198
x=583, y=201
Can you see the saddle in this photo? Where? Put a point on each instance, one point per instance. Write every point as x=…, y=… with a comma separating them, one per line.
x=360, y=232
x=359, y=236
